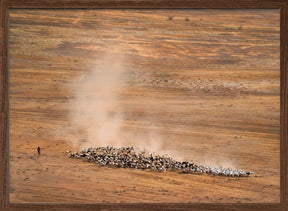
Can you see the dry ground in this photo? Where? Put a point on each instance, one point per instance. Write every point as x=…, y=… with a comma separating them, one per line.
x=205, y=81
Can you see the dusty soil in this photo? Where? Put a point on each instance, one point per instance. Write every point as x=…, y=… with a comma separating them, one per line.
x=205, y=81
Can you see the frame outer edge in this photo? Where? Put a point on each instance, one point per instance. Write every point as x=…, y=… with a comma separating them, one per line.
x=4, y=106
x=4, y=174
x=283, y=106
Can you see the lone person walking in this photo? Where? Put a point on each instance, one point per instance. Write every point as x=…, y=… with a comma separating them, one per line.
x=38, y=150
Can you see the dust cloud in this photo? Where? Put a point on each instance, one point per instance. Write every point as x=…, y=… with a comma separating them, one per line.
x=98, y=116
x=96, y=113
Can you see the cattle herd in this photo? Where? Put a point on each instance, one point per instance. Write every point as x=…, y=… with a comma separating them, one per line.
x=127, y=157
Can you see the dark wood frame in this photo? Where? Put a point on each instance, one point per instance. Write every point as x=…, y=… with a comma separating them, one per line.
x=282, y=5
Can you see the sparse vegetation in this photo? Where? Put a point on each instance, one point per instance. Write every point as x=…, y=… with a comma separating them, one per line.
x=232, y=28
x=240, y=27
x=170, y=18
x=187, y=19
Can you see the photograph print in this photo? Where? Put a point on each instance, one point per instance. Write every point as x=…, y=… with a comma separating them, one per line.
x=144, y=105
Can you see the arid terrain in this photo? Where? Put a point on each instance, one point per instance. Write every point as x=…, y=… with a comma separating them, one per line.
x=199, y=85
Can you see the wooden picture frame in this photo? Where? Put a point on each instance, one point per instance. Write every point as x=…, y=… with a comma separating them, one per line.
x=282, y=5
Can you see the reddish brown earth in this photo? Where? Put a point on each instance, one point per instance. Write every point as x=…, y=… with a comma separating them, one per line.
x=202, y=84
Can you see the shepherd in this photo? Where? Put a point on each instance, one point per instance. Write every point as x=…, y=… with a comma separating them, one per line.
x=38, y=150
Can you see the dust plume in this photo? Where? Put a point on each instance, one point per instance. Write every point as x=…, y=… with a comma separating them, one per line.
x=99, y=116
x=97, y=113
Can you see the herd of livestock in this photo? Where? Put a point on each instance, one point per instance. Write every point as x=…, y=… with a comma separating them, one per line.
x=127, y=157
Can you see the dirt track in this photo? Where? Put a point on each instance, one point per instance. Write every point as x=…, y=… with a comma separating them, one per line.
x=206, y=82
